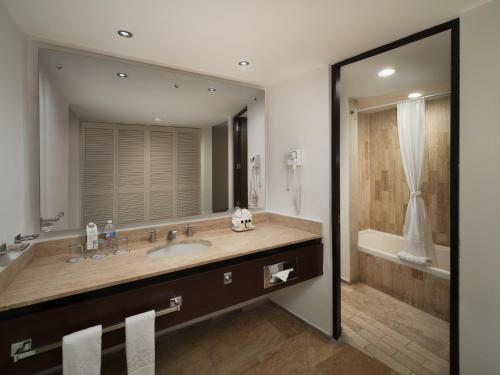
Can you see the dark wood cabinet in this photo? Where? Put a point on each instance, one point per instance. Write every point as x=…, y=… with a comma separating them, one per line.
x=202, y=289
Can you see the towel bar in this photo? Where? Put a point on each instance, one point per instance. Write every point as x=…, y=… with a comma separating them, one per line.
x=22, y=349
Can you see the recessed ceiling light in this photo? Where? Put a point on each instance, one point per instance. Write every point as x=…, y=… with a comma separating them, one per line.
x=211, y=89
x=125, y=33
x=386, y=72
x=414, y=95
x=121, y=75
x=59, y=67
x=157, y=119
x=243, y=63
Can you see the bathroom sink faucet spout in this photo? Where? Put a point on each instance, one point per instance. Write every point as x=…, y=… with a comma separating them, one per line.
x=172, y=235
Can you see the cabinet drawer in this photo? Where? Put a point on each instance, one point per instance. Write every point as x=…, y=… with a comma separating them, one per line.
x=203, y=291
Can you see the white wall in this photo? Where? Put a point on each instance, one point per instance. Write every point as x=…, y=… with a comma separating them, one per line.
x=256, y=133
x=299, y=117
x=299, y=112
x=206, y=170
x=345, y=188
x=230, y=157
x=18, y=138
x=479, y=189
x=74, y=207
x=54, y=150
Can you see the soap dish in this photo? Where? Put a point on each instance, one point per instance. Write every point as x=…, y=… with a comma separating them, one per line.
x=236, y=229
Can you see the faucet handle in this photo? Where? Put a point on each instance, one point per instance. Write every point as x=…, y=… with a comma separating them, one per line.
x=189, y=230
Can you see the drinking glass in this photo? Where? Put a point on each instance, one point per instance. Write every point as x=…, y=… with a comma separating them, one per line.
x=99, y=251
x=121, y=246
x=75, y=253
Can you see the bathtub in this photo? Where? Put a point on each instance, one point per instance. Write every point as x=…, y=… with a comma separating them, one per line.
x=386, y=245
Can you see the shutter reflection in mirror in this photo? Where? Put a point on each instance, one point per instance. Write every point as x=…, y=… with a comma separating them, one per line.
x=131, y=171
x=162, y=173
x=98, y=171
x=188, y=144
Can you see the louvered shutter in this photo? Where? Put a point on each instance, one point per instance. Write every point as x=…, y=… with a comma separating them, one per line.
x=161, y=173
x=98, y=171
x=187, y=142
x=134, y=173
x=131, y=174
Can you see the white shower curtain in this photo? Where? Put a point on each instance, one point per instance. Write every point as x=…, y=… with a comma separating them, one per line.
x=418, y=245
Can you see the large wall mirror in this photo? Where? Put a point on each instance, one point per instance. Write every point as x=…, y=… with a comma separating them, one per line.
x=138, y=144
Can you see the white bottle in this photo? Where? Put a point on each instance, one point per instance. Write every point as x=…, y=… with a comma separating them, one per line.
x=91, y=235
x=109, y=234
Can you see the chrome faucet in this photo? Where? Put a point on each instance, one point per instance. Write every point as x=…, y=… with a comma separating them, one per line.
x=4, y=250
x=152, y=235
x=19, y=238
x=189, y=230
x=172, y=235
x=19, y=242
x=47, y=224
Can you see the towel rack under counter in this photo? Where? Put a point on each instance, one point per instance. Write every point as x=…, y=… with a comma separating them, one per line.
x=204, y=289
x=23, y=349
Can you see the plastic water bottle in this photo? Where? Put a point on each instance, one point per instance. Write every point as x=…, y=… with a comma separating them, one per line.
x=110, y=234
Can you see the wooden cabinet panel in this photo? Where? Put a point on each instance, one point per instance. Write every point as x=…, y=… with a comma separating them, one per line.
x=202, y=289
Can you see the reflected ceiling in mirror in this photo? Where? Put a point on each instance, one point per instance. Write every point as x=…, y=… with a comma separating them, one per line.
x=134, y=143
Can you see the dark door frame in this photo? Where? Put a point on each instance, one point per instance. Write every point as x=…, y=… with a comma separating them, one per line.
x=454, y=27
x=240, y=171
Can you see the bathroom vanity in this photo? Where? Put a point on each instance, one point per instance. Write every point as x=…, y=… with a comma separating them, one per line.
x=50, y=298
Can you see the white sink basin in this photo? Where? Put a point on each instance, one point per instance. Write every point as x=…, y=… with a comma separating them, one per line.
x=183, y=247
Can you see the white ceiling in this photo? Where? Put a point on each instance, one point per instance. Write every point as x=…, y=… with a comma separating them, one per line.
x=95, y=93
x=281, y=38
x=418, y=65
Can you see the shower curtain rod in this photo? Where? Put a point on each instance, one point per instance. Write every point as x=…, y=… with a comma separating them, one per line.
x=395, y=103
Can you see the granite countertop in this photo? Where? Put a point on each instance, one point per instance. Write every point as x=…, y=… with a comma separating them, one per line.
x=47, y=278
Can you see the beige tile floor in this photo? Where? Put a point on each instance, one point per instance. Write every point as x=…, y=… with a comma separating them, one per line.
x=262, y=340
x=408, y=340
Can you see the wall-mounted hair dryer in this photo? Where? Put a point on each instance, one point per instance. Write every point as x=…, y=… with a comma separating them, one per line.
x=255, y=185
x=294, y=164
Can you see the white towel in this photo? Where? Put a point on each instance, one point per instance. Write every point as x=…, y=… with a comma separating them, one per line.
x=82, y=352
x=407, y=257
x=140, y=338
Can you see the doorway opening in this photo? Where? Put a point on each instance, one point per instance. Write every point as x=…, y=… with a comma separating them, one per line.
x=395, y=199
x=240, y=163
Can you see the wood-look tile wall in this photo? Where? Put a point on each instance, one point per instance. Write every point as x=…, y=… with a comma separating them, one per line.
x=417, y=288
x=364, y=171
x=383, y=190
